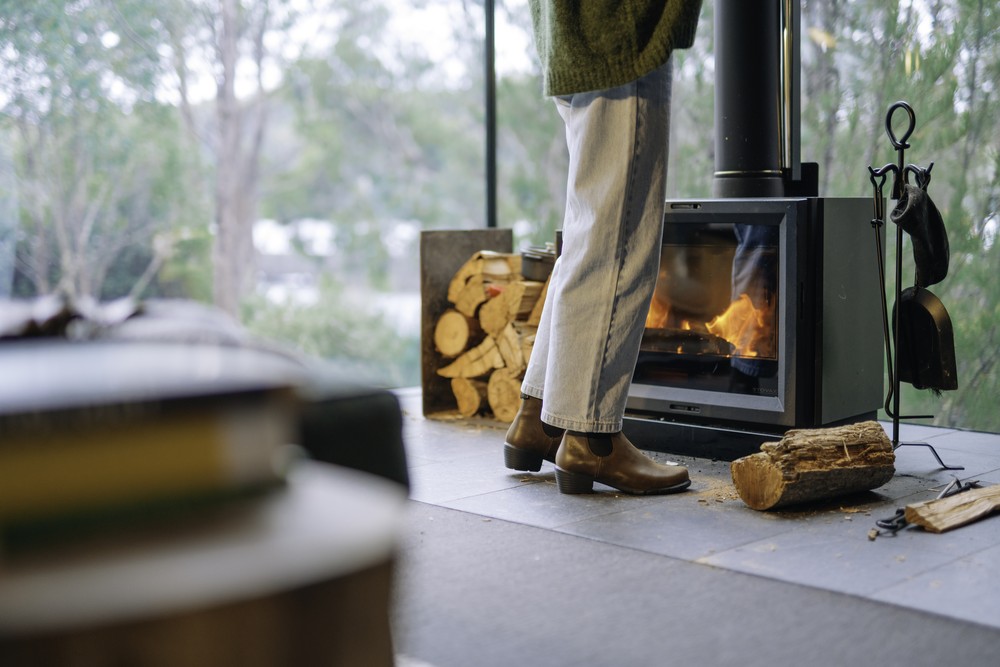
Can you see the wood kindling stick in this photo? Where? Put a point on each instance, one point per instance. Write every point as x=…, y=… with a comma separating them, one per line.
x=943, y=514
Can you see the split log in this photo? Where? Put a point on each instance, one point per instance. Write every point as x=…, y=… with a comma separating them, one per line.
x=504, y=394
x=501, y=310
x=455, y=332
x=473, y=293
x=535, y=317
x=532, y=292
x=470, y=395
x=815, y=464
x=509, y=344
x=494, y=267
x=526, y=334
x=485, y=334
x=477, y=362
x=950, y=512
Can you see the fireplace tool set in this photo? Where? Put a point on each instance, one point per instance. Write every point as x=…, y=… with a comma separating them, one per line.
x=919, y=343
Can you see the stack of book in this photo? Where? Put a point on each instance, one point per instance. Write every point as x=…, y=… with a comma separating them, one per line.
x=98, y=435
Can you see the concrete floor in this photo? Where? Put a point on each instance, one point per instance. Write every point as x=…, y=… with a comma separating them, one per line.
x=498, y=567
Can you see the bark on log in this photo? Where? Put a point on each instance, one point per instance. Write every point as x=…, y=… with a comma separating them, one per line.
x=815, y=464
x=504, y=394
x=470, y=395
x=944, y=514
x=455, y=332
x=477, y=362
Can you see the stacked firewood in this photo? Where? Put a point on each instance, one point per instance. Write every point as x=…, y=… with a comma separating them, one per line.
x=486, y=335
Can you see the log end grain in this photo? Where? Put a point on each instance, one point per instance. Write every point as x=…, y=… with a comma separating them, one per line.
x=759, y=483
x=453, y=333
x=503, y=392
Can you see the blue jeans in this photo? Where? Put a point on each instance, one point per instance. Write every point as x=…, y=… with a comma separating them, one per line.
x=592, y=323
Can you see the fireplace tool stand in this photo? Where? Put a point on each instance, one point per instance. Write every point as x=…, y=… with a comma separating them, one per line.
x=900, y=174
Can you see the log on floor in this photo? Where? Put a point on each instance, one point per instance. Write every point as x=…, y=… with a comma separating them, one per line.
x=960, y=509
x=815, y=464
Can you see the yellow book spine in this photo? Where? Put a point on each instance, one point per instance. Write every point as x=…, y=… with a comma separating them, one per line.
x=186, y=452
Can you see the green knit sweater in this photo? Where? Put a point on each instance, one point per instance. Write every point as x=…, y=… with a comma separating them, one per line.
x=597, y=44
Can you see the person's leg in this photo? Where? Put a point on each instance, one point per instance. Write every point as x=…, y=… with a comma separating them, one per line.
x=600, y=290
x=592, y=323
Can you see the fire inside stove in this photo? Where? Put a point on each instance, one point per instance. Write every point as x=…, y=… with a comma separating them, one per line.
x=713, y=320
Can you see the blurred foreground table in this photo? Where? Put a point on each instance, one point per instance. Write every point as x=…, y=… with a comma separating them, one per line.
x=300, y=577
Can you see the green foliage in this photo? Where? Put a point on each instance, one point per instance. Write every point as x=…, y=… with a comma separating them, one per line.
x=944, y=64
x=372, y=132
x=341, y=330
x=531, y=158
x=99, y=162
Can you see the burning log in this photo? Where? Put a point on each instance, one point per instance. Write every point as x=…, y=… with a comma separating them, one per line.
x=815, y=464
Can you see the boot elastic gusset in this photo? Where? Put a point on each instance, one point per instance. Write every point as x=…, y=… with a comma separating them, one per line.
x=527, y=444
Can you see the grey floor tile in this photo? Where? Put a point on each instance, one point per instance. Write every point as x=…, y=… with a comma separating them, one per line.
x=921, y=461
x=966, y=441
x=474, y=475
x=459, y=465
x=967, y=588
x=679, y=529
x=540, y=504
x=428, y=440
x=837, y=556
x=916, y=431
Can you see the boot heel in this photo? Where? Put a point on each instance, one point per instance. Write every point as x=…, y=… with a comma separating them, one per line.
x=519, y=459
x=571, y=482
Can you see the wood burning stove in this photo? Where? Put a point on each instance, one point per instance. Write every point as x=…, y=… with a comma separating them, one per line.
x=765, y=317
x=766, y=314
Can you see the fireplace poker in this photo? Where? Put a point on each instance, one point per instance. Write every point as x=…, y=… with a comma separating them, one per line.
x=900, y=172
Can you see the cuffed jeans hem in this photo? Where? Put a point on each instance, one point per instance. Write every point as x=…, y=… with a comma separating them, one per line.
x=580, y=426
x=529, y=390
x=570, y=424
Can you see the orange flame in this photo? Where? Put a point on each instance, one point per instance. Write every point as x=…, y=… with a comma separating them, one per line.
x=657, y=316
x=745, y=327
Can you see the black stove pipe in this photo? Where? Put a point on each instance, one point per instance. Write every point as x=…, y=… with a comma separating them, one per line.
x=756, y=98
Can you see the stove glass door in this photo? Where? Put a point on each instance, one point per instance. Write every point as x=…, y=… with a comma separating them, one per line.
x=713, y=321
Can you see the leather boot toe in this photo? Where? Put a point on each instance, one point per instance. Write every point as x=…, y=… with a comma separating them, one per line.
x=583, y=459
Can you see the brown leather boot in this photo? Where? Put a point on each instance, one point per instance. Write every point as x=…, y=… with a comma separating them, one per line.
x=583, y=459
x=527, y=443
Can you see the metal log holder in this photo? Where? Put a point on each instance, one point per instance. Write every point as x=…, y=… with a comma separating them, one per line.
x=901, y=172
